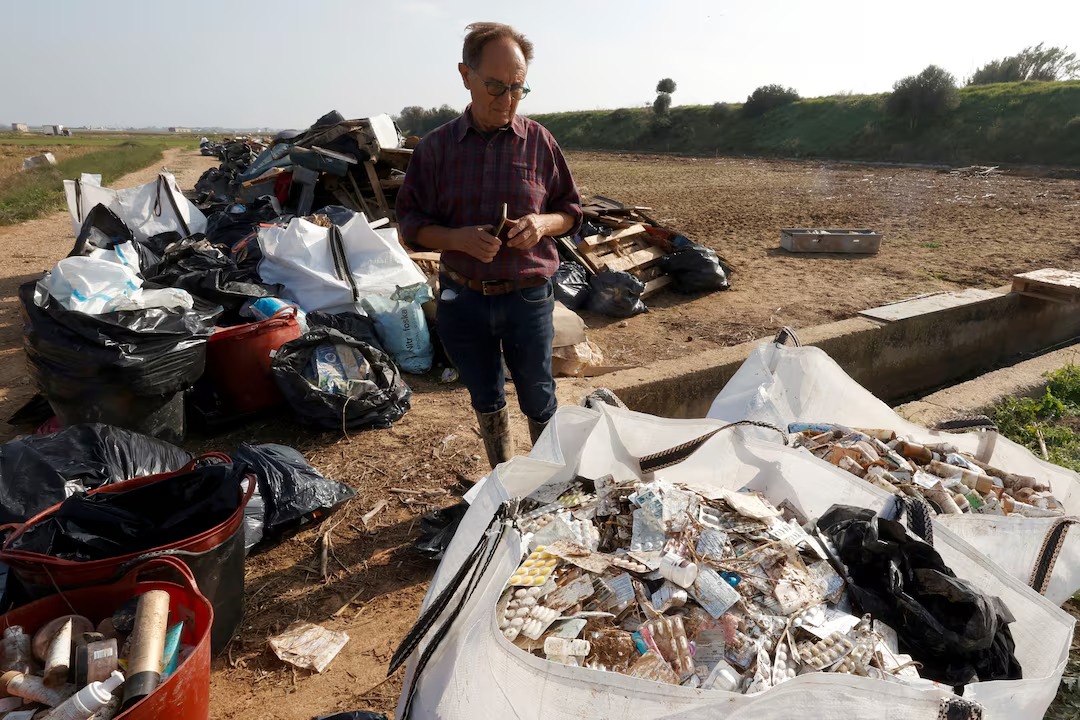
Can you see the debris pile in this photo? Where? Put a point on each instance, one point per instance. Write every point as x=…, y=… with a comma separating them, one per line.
x=622, y=255
x=359, y=164
x=729, y=592
x=951, y=481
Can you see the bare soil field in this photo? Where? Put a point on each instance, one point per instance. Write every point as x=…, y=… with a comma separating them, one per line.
x=941, y=231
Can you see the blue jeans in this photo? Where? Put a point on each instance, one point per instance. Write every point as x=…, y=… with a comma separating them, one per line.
x=478, y=330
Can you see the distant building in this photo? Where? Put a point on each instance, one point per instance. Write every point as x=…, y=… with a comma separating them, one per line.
x=20, y=127
x=57, y=130
x=179, y=130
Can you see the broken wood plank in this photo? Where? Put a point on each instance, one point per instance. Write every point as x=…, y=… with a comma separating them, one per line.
x=397, y=158
x=425, y=256
x=1050, y=284
x=594, y=240
x=367, y=517
x=634, y=260
x=376, y=186
x=627, y=232
x=656, y=284
x=568, y=246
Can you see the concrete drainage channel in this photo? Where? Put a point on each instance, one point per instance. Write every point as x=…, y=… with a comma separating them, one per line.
x=897, y=351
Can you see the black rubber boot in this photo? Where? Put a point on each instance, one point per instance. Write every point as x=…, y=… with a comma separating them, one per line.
x=536, y=429
x=495, y=429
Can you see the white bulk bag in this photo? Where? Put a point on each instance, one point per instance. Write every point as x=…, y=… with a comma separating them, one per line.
x=300, y=256
x=476, y=673
x=781, y=385
x=156, y=207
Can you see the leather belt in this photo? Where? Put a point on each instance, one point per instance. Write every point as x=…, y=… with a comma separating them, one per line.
x=492, y=287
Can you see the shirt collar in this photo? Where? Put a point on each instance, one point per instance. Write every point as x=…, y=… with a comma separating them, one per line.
x=464, y=122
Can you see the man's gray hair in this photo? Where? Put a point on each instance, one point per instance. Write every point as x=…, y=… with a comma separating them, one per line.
x=480, y=34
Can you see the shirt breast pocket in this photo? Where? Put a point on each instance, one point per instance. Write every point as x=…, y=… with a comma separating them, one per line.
x=530, y=190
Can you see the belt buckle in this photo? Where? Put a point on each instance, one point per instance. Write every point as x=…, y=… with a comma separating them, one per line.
x=485, y=284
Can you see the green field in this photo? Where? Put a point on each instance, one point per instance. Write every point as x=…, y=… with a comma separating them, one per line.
x=1028, y=122
x=30, y=194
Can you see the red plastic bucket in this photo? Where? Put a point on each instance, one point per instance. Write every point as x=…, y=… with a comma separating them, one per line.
x=186, y=694
x=216, y=556
x=238, y=360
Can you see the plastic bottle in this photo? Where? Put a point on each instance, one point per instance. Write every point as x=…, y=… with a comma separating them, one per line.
x=267, y=307
x=678, y=570
x=32, y=688
x=16, y=647
x=89, y=700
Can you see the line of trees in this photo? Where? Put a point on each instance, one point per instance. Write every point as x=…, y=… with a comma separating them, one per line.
x=415, y=120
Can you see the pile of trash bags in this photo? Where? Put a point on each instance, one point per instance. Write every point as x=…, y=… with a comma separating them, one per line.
x=118, y=331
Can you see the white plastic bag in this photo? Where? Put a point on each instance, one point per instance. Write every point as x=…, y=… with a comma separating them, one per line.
x=475, y=672
x=107, y=281
x=156, y=207
x=780, y=385
x=300, y=256
x=402, y=327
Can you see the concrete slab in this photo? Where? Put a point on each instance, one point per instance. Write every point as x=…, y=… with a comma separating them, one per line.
x=926, y=304
x=894, y=360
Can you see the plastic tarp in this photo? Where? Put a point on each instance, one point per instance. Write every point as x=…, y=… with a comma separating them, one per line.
x=156, y=207
x=38, y=471
x=782, y=385
x=301, y=257
x=475, y=672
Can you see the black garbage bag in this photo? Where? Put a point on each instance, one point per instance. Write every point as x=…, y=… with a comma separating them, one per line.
x=294, y=494
x=571, y=282
x=156, y=351
x=956, y=631
x=39, y=471
x=696, y=268
x=357, y=326
x=195, y=265
x=111, y=524
x=103, y=229
x=617, y=294
x=375, y=397
x=437, y=529
x=353, y=715
x=230, y=226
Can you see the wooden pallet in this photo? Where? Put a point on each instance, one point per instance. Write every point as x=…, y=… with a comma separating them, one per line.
x=627, y=249
x=1051, y=284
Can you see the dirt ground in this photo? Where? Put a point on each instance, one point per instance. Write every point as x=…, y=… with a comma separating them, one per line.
x=941, y=231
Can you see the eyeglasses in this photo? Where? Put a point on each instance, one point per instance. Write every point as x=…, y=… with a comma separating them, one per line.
x=498, y=89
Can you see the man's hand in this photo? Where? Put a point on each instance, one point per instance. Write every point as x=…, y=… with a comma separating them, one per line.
x=528, y=231
x=478, y=242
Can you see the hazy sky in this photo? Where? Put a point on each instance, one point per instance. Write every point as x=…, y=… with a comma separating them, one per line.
x=241, y=63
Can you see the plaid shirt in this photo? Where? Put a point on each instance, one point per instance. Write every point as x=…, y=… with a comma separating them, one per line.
x=458, y=178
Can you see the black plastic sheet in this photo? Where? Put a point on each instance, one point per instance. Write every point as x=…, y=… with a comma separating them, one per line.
x=353, y=715
x=111, y=524
x=696, y=268
x=294, y=494
x=617, y=294
x=357, y=326
x=437, y=529
x=195, y=265
x=39, y=471
x=956, y=631
x=387, y=400
x=571, y=284
x=156, y=351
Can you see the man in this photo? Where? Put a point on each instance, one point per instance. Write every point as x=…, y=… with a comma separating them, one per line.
x=496, y=297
